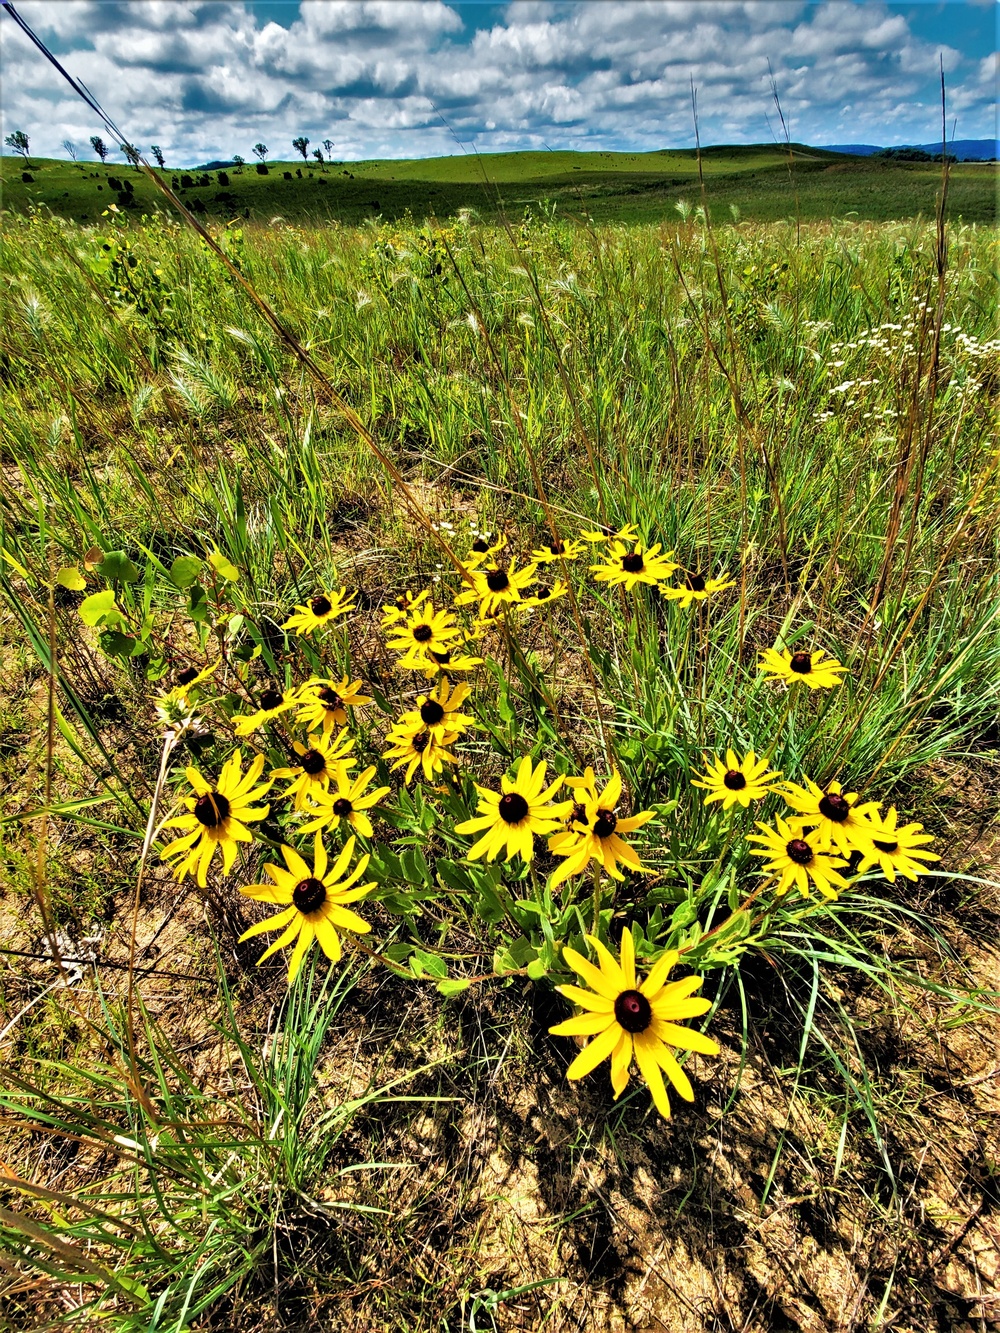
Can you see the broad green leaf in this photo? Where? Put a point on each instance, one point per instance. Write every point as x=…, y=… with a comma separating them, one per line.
x=452, y=986
x=197, y=603
x=185, y=570
x=117, y=567
x=223, y=567
x=116, y=644
x=70, y=577
x=100, y=609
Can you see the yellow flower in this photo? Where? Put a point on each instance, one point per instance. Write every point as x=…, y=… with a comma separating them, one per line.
x=324, y=703
x=799, y=667
x=417, y=748
x=272, y=703
x=797, y=860
x=481, y=551
x=597, y=836
x=546, y=596
x=433, y=663
x=438, y=712
x=629, y=533
x=833, y=813
x=557, y=550
x=424, y=630
x=217, y=817
x=319, y=611
x=321, y=761
x=696, y=588
x=398, y=610
x=626, y=1018
x=897, y=849
x=736, y=780
x=316, y=902
x=631, y=564
x=512, y=816
x=348, y=801
x=189, y=679
x=495, y=588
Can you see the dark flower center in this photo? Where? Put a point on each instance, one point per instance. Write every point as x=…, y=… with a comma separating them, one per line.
x=270, y=699
x=734, y=780
x=632, y=1011
x=889, y=847
x=696, y=583
x=543, y=593
x=442, y=659
x=557, y=547
x=579, y=814
x=421, y=741
x=186, y=676
x=313, y=762
x=834, y=807
x=329, y=698
x=422, y=633
x=309, y=895
x=431, y=712
x=342, y=807
x=513, y=807
x=480, y=546
x=632, y=564
x=605, y=824
x=321, y=606
x=801, y=663
x=799, y=851
x=211, y=809
x=497, y=580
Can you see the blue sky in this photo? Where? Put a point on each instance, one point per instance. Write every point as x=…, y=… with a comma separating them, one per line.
x=411, y=78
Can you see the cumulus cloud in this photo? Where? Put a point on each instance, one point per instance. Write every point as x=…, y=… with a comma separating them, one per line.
x=207, y=79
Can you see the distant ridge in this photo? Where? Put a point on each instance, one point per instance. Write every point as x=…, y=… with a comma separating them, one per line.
x=966, y=150
x=213, y=166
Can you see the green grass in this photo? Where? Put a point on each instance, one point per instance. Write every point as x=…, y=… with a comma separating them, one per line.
x=759, y=403
x=609, y=187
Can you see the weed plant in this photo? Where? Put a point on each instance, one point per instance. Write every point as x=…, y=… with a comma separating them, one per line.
x=626, y=635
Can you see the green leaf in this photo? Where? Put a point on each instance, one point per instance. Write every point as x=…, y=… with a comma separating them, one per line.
x=537, y=969
x=100, y=609
x=185, y=570
x=197, y=603
x=117, y=567
x=422, y=963
x=452, y=986
x=223, y=567
x=117, y=645
x=70, y=577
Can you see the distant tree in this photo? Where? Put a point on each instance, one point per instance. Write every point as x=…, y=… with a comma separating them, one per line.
x=70, y=147
x=239, y=163
x=130, y=153
x=318, y=155
x=328, y=145
x=301, y=145
x=99, y=147
x=19, y=142
x=260, y=150
x=158, y=155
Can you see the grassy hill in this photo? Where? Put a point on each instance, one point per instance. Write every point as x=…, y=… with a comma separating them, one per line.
x=612, y=187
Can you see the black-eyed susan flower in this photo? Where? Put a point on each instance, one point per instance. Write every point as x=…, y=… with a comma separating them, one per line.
x=346, y=800
x=433, y=663
x=320, y=610
x=398, y=610
x=546, y=596
x=415, y=748
x=510, y=818
x=557, y=549
x=270, y=704
x=797, y=860
x=482, y=551
x=316, y=899
x=189, y=678
x=217, y=817
x=737, y=781
x=319, y=763
x=695, y=588
x=438, y=712
x=897, y=851
x=423, y=630
x=597, y=836
x=176, y=708
x=631, y=563
x=626, y=1018
x=323, y=704
x=836, y=816
x=629, y=533
x=814, y=668
x=494, y=587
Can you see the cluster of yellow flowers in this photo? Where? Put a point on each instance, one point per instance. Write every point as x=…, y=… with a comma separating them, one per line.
x=823, y=830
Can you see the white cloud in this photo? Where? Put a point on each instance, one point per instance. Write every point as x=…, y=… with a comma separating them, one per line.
x=204, y=79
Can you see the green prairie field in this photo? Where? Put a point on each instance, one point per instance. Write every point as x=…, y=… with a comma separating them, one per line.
x=318, y=538
x=763, y=183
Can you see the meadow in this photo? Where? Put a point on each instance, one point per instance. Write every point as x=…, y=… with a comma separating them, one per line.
x=702, y=517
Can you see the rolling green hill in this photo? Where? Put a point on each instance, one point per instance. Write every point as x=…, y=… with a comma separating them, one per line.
x=624, y=187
